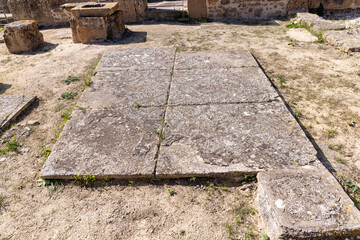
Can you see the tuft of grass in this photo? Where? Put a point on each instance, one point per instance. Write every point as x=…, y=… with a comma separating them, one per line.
x=331, y=133
x=171, y=192
x=160, y=134
x=351, y=123
x=341, y=160
x=68, y=95
x=11, y=146
x=282, y=81
x=71, y=79
x=137, y=105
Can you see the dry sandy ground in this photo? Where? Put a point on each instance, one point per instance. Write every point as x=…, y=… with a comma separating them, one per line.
x=319, y=83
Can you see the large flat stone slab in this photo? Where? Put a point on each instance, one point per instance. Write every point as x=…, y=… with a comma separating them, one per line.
x=214, y=59
x=346, y=41
x=232, y=139
x=12, y=106
x=306, y=204
x=203, y=86
x=317, y=23
x=137, y=59
x=119, y=144
x=123, y=88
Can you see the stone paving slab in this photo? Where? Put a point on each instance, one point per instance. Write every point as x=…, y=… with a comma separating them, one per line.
x=301, y=35
x=12, y=106
x=346, y=41
x=306, y=204
x=232, y=139
x=123, y=88
x=119, y=144
x=137, y=59
x=203, y=86
x=214, y=59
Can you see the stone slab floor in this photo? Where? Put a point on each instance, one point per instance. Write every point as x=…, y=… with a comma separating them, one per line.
x=159, y=113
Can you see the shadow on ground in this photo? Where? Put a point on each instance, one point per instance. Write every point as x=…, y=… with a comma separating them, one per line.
x=4, y=87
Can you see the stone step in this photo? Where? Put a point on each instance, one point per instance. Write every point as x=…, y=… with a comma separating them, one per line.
x=306, y=203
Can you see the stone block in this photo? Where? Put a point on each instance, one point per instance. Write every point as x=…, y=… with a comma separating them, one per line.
x=22, y=36
x=117, y=144
x=12, y=106
x=122, y=88
x=232, y=139
x=137, y=59
x=95, y=23
x=220, y=85
x=346, y=40
x=197, y=8
x=212, y=59
x=306, y=203
x=301, y=35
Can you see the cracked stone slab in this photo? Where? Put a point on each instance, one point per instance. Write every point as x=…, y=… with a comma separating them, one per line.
x=306, y=203
x=214, y=59
x=137, y=59
x=118, y=144
x=346, y=41
x=123, y=88
x=202, y=86
x=317, y=23
x=233, y=139
x=12, y=106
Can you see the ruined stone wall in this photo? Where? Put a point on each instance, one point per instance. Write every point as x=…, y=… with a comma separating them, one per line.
x=246, y=9
x=257, y=9
x=48, y=13
x=3, y=3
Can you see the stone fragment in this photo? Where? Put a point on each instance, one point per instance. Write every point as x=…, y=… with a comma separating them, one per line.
x=137, y=59
x=214, y=59
x=220, y=85
x=346, y=40
x=124, y=88
x=33, y=122
x=306, y=203
x=232, y=139
x=22, y=36
x=11, y=106
x=317, y=23
x=301, y=35
x=119, y=144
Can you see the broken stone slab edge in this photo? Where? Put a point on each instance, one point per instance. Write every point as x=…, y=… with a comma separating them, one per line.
x=18, y=112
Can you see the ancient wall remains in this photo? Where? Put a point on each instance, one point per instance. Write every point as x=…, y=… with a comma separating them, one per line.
x=48, y=12
x=257, y=9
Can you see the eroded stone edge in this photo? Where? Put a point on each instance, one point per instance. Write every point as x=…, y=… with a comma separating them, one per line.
x=30, y=99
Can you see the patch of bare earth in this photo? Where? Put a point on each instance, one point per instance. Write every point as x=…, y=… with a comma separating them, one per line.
x=318, y=82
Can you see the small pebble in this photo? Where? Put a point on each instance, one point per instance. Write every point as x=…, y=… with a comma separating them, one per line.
x=2, y=159
x=33, y=122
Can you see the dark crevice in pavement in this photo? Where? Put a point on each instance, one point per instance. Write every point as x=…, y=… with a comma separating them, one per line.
x=163, y=120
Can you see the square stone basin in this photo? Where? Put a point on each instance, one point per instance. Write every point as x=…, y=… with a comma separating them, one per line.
x=94, y=9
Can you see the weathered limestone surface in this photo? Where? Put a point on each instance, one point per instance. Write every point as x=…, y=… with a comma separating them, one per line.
x=301, y=35
x=106, y=143
x=11, y=106
x=346, y=41
x=94, y=23
x=137, y=59
x=122, y=88
x=317, y=23
x=215, y=59
x=306, y=203
x=22, y=36
x=49, y=13
x=233, y=138
x=221, y=85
